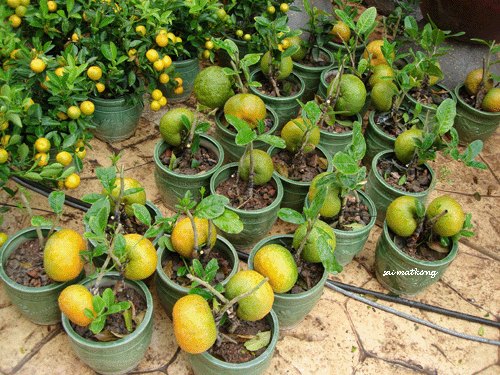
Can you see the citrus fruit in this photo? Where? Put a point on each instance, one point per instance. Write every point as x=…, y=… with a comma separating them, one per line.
x=141, y=257
x=401, y=216
x=293, y=135
x=212, y=87
x=156, y=94
x=73, y=301
x=81, y=153
x=377, y=57
x=13, y=3
x=3, y=238
x=100, y=87
x=352, y=95
x=418, y=74
x=15, y=20
x=4, y=126
x=263, y=167
x=37, y=65
x=284, y=7
x=87, y=107
x=52, y=5
x=332, y=204
x=152, y=55
x=94, y=73
x=128, y=199
x=382, y=72
x=285, y=66
x=140, y=30
x=276, y=263
x=4, y=156
x=161, y=40
x=163, y=101
x=172, y=129
x=258, y=304
x=452, y=222
x=42, y=145
x=271, y=9
x=158, y=65
x=382, y=94
x=473, y=80
x=491, y=102
x=247, y=37
x=21, y=10
x=64, y=158
x=194, y=325
x=74, y=112
x=405, y=146
x=310, y=252
x=178, y=90
x=248, y=107
x=41, y=158
x=340, y=32
x=301, y=53
x=183, y=236
x=164, y=78
x=61, y=255
x=5, y=140
x=75, y=37
x=155, y=105
x=60, y=71
x=72, y=181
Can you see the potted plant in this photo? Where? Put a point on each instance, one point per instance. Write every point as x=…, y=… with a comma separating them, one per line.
x=417, y=244
x=477, y=113
x=38, y=262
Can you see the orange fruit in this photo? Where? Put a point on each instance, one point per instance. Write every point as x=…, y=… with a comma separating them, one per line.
x=164, y=78
x=43, y=159
x=100, y=86
x=155, y=105
x=194, y=325
x=161, y=40
x=141, y=30
x=452, y=222
x=491, y=102
x=377, y=57
x=340, y=32
x=178, y=90
x=248, y=107
x=5, y=140
x=141, y=257
x=293, y=133
x=4, y=156
x=473, y=80
x=182, y=237
x=301, y=53
x=152, y=55
x=52, y=5
x=61, y=255
x=128, y=199
x=158, y=65
x=60, y=71
x=73, y=301
x=73, y=112
x=163, y=101
x=4, y=126
x=72, y=181
x=37, y=65
x=277, y=263
x=156, y=94
x=42, y=145
x=87, y=107
x=15, y=20
x=64, y=158
x=332, y=203
x=94, y=73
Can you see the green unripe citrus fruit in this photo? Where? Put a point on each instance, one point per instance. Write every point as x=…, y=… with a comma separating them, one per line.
x=301, y=53
x=172, y=129
x=401, y=216
x=310, y=252
x=382, y=94
x=293, y=134
x=332, y=204
x=285, y=66
x=381, y=73
x=404, y=146
x=212, y=87
x=352, y=95
x=263, y=167
x=452, y=222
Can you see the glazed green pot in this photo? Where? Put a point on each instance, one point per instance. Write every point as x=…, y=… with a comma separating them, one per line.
x=287, y=107
x=294, y=192
x=173, y=186
x=376, y=139
x=226, y=137
x=169, y=292
x=206, y=364
x=335, y=142
x=116, y=119
x=402, y=274
x=311, y=75
x=291, y=309
x=37, y=304
x=187, y=70
x=256, y=223
x=120, y=356
x=382, y=194
x=473, y=124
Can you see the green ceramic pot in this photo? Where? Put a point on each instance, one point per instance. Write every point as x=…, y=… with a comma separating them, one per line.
x=120, y=356
x=169, y=292
x=206, y=364
x=335, y=142
x=226, y=137
x=256, y=223
x=311, y=75
x=402, y=274
x=287, y=107
x=37, y=304
x=473, y=124
x=291, y=309
x=382, y=194
x=376, y=139
x=187, y=70
x=116, y=119
x=173, y=186
x=294, y=192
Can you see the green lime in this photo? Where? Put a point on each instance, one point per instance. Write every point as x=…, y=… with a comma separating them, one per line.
x=352, y=95
x=172, y=129
x=212, y=87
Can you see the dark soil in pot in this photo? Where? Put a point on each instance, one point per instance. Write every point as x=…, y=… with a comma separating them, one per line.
x=426, y=251
x=299, y=169
x=286, y=88
x=352, y=213
x=130, y=224
x=467, y=98
x=236, y=190
x=392, y=172
x=389, y=125
x=342, y=124
x=202, y=161
x=309, y=61
x=432, y=96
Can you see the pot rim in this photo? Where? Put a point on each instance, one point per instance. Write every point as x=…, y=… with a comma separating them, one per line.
x=292, y=77
x=477, y=112
x=302, y=67
x=325, y=133
x=428, y=107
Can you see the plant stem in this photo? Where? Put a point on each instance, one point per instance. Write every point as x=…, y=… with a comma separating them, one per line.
x=210, y=288
x=39, y=234
x=194, y=254
x=238, y=78
x=310, y=226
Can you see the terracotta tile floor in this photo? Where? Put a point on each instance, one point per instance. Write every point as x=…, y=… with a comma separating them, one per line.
x=341, y=335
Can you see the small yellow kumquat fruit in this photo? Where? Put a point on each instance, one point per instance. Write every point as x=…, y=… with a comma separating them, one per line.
x=158, y=65
x=64, y=158
x=4, y=126
x=140, y=30
x=162, y=101
x=161, y=40
x=156, y=94
x=87, y=107
x=42, y=145
x=155, y=105
x=37, y=65
x=4, y=156
x=42, y=159
x=152, y=55
x=94, y=73
x=15, y=20
x=73, y=112
x=72, y=181
x=100, y=87
x=164, y=78
x=52, y=5
x=3, y=238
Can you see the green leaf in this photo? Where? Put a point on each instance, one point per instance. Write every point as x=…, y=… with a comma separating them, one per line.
x=141, y=213
x=291, y=216
x=366, y=20
x=420, y=208
x=56, y=201
x=229, y=222
x=272, y=140
x=245, y=136
x=238, y=123
x=120, y=245
x=98, y=324
x=108, y=297
x=127, y=316
x=98, y=303
x=317, y=202
x=211, y=270
x=445, y=115
x=198, y=268
x=37, y=221
x=327, y=255
x=211, y=207
x=259, y=341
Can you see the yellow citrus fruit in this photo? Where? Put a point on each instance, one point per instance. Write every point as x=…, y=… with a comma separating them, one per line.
x=13, y=3
x=81, y=153
x=129, y=199
x=491, y=102
x=162, y=101
x=43, y=159
x=52, y=5
x=5, y=140
x=452, y=222
x=132, y=53
x=162, y=32
x=72, y=181
x=285, y=66
x=15, y=20
x=382, y=94
x=42, y=145
x=340, y=32
x=179, y=81
x=62, y=116
x=3, y=238
x=167, y=61
x=25, y=2
x=212, y=87
x=87, y=107
x=352, y=95
x=161, y=40
x=182, y=236
x=263, y=167
x=94, y=73
x=381, y=73
x=4, y=126
x=286, y=44
x=37, y=65
x=377, y=57
x=178, y=39
x=179, y=90
x=171, y=36
x=209, y=44
x=158, y=65
x=248, y=107
x=152, y=55
x=302, y=51
x=172, y=129
x=332, y=204
x=258, y=304
x=156, y=94
x=73, y=301
x=64, y=158
x=21, y=10
x=276, y=263
x=194, y=325
x=60, y=71
x=473, y=80
x=293, y=134
x=61, y=255
x=141, y=257
x=164, y=78
x=79, y=144
x=284, y=7
x=100, y=86
x=73, y=112
x=44, y=85
x=310, y=252
x=155, y=105
x=141, y=30
x=401, y=216
x=75, y=37
x=404, y=146
x=4, y=156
